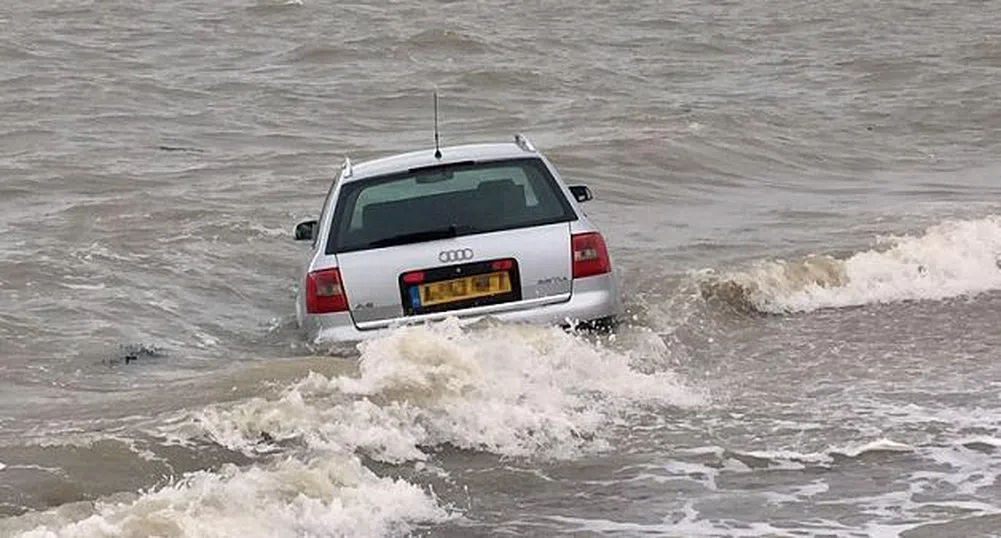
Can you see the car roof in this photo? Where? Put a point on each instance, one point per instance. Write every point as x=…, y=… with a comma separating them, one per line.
x=426, y=157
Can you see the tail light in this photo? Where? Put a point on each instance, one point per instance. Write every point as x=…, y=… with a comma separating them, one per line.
x=324, y=292
x=502, y=265
x=415, y=277
x=590, y=257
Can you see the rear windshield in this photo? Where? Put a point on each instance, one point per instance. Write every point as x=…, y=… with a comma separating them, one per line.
x=446, y=201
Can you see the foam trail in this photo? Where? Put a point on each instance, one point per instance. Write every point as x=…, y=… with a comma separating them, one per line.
x=950, y=259
x=878, y=446
x=327, y=497
x=509, y=390
x=787, y=459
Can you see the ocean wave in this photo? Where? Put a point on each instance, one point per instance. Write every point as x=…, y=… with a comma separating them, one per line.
x=950, y=259
x=447, y=41
x=514, y=391
x=787, y=460
x=330, y=496
x=509, y=390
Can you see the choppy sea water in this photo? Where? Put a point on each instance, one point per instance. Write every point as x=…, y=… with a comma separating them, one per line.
x=802, y=201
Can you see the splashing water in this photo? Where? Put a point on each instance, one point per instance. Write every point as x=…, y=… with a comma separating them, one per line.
x=509, y=390
x=950, y=259
x=515, y=391
x=329, y=497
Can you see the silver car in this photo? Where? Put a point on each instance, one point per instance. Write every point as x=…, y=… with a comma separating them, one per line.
x=470, y=231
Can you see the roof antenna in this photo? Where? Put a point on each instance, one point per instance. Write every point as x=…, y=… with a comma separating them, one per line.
x=437, y=151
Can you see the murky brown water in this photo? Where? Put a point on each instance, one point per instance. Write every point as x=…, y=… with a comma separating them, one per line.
x=802, y=201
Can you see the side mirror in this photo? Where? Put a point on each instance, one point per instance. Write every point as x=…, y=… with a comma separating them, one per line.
x=581, y=193
x=305, y=230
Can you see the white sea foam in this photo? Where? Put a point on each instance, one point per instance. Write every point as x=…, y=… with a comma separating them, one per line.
x=879, y=445
x=966, y=469
x=509, y=390
x=950, y=259
x=912, y=502
x=332, y=496
x=687, y=521
x=259, y=229
x=2, y=466
x=791, y=459
x=97, y=251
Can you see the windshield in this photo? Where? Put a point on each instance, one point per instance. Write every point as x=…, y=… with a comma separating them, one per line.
x=446, y=201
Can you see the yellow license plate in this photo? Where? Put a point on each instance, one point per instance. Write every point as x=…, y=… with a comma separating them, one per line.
x=469, y=287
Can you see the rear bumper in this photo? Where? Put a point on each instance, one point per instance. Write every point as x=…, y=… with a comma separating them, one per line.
x=593, y=299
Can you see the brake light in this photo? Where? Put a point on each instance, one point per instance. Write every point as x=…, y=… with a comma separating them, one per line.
x=324, y=292
x=413, y=278
x=590, y=257
x=502, y=265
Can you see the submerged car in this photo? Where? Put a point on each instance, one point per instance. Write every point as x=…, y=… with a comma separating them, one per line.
x=473, y=231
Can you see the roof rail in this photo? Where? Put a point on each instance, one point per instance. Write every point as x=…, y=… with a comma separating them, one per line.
x=524, y=143
x=346, y=169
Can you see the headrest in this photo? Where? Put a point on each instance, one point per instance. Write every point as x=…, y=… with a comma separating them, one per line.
x=497, y=184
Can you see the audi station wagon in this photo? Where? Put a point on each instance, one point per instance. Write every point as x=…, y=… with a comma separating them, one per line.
x=473, y=231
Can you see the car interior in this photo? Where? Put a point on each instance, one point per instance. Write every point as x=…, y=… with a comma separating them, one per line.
x=494, y=204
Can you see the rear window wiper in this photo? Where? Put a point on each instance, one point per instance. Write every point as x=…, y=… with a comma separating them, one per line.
x=416, y=237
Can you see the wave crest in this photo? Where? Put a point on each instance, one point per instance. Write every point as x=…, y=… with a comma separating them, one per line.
x=330, y=496
x=949, y=259
x=510, y=390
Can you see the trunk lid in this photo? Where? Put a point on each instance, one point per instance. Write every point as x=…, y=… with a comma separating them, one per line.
x=378, y=293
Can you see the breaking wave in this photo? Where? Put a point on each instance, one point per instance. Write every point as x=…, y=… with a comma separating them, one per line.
x=949, y=259
x=786, y=460
x=513, y=391
x=509, y=390
x=326, y=496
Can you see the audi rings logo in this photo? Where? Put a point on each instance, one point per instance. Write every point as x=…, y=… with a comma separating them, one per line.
x=459, y=255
